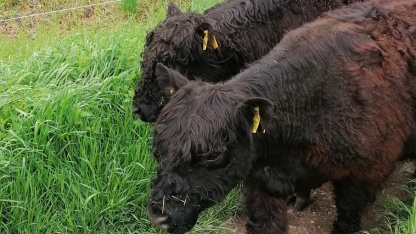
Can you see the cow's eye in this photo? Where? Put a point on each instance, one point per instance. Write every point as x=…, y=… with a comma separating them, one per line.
x=213, y=157
x=149, y=38
x=157, y=154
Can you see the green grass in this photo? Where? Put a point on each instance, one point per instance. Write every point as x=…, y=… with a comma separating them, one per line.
x=65, y=116
x=129, y=6
x=400, y=216
x=73, y=159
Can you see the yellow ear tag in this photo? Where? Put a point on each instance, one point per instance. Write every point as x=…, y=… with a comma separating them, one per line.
x=256, y=120
x=205, y=40
x=171, y=91
x=214, y=42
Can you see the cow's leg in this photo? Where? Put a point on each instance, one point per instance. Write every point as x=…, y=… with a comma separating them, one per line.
x=409, y=151
x=309, y=180
x=351, y=198
x=302, y=193
x=302, y=199
x=266, y=213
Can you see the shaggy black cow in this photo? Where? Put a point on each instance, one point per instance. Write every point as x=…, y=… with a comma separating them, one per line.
x=238, y=32
x=332, y=102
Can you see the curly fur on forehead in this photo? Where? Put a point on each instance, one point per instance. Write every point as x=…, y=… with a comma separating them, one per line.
x=179, y=35
x=198, y=119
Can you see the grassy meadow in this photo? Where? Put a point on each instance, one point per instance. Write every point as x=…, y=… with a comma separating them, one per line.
x=73, y=159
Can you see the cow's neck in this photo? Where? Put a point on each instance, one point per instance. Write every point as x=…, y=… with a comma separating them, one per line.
x=293, y=78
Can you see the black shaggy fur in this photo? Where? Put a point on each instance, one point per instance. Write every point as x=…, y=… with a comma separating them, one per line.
x=336, y=100
x=244, y=29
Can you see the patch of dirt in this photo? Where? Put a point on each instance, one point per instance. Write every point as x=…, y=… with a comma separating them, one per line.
x=318, y=216
x=65, y=21
x=62, y=22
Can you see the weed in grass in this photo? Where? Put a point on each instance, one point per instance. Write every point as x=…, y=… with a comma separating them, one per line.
x=129, y=6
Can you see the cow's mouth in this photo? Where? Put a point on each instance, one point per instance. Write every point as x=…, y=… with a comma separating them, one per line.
x=148, y=113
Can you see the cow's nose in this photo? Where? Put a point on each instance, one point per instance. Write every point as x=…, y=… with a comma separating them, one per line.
x=160, y=220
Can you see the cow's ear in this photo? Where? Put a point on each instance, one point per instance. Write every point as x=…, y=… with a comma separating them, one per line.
x=203, y=27
x=169, y=80
x=173, y=10
x=256, y=113
x=206, y=32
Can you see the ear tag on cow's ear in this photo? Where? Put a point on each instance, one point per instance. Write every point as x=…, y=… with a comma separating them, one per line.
x=214, y=42
x=171, y=91
x=205, y=40
x=256, y=120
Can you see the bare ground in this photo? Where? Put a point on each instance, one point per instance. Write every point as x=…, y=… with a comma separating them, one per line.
x=317, y=218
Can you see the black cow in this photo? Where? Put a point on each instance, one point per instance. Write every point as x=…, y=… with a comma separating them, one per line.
x=243, y=30
x=332, y=102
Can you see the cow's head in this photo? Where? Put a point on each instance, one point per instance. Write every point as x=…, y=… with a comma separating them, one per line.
x=178, y=42
x=203, y=144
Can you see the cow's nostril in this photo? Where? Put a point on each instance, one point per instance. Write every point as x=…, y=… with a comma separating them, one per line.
x=161, y=221
x=136, y=111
